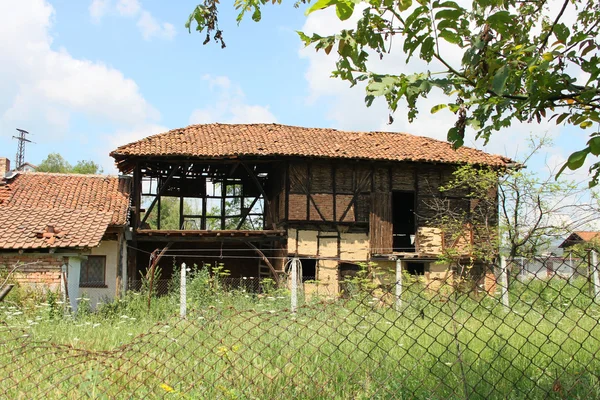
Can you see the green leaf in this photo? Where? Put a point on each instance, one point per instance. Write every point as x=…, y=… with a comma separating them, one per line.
x=501, y=17
x=586, y=124
x=561, y=118
x=455, y=137
x=561, y=32
x=344, y=10
x=450, y=37
x=319, y=5
x=594, y=145
x=449, y=14
x=577, y=159
x=499, y=82
x=256, y=15
x=404, y=5
x=437, y=108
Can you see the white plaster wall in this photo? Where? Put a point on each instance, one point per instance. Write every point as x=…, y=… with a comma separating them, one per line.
x=110, y=249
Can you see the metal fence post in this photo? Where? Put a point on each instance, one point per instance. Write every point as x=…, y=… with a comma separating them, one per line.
x=504, y=281
x=595, y=275
x=183, y=292
x=294, y=272
x=398, y=284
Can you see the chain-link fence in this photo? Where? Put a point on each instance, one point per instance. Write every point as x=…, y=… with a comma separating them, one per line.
x=519, y=330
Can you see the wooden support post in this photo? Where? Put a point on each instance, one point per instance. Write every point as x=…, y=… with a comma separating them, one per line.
x=287, y=192
x=137, y=186
x=158, y=194
x=266, y=201
x=223, y=202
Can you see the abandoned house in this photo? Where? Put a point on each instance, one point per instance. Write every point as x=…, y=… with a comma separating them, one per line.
x=65, y=232
x=251, y=195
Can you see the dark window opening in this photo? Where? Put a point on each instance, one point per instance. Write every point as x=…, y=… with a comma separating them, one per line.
x=415, y=268
x=309, y=269
x=92, y=272
x=348, y=271
x=403, y=221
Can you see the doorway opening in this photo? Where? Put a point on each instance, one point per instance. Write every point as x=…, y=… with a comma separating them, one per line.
x=403, y=221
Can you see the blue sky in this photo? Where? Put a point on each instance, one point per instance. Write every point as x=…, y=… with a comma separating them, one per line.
x=86, y=76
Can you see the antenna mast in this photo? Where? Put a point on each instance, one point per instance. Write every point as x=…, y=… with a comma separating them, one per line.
x=20, y=159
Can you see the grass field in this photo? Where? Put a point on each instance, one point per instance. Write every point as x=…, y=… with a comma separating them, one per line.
x=237, y=345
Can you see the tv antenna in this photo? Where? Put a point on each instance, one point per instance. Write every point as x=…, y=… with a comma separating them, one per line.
x=20, y=159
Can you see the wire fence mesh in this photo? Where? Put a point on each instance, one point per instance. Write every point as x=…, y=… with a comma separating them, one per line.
x=456, y=337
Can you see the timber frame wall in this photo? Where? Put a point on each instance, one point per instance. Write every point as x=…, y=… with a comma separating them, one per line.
x=339, y=200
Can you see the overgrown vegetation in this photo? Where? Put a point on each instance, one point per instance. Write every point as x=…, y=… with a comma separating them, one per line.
x=237, y=344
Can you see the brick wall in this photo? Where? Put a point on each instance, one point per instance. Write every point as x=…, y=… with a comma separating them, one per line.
x=39, y=270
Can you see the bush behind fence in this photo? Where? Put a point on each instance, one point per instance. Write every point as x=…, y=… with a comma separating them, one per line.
x=240, y=340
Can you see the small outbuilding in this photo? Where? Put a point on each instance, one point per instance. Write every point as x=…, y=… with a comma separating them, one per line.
x=65, y=232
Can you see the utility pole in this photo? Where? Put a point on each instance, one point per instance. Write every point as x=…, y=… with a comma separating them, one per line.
x=20, y=159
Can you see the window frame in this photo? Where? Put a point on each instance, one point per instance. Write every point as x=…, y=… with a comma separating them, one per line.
x=93, y=285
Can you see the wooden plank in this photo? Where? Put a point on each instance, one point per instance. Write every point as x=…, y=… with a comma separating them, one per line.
x=380, y=223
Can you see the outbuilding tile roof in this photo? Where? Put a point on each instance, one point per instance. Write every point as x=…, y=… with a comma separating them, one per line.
x=35, y=228
x=234, y=140
x=587, y=236
x=68, y=192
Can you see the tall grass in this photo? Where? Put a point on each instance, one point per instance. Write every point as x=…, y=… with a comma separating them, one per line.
x=234, y=344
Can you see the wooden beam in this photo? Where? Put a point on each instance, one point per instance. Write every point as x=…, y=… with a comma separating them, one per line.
x=155, y=261
x=160, y=192
x=287, y=192
x=266, y=260
x=359, y=188
x=245, y=215
x=137, y=186
x=262, y=191
x=333, y=187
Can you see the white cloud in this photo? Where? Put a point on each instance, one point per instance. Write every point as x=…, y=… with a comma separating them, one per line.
x=40, y=81
x=230, y=106
x=150, y=27
x=147, y=24
x=43, y=88
x=98, y=8
x=128, y=8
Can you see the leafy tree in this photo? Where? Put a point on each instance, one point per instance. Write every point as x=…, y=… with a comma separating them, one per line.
x=56, y=163
x=534, y=211
x=87, y=167
x=521, y=60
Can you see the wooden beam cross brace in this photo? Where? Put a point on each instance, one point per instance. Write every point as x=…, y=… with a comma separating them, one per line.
x=266, y=260
x=359, y=189
x=262, y=191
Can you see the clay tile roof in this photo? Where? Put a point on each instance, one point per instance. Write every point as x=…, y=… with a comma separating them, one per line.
x=233, y=140
x=68, y=192
x=35, y=228
x=586, y=236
